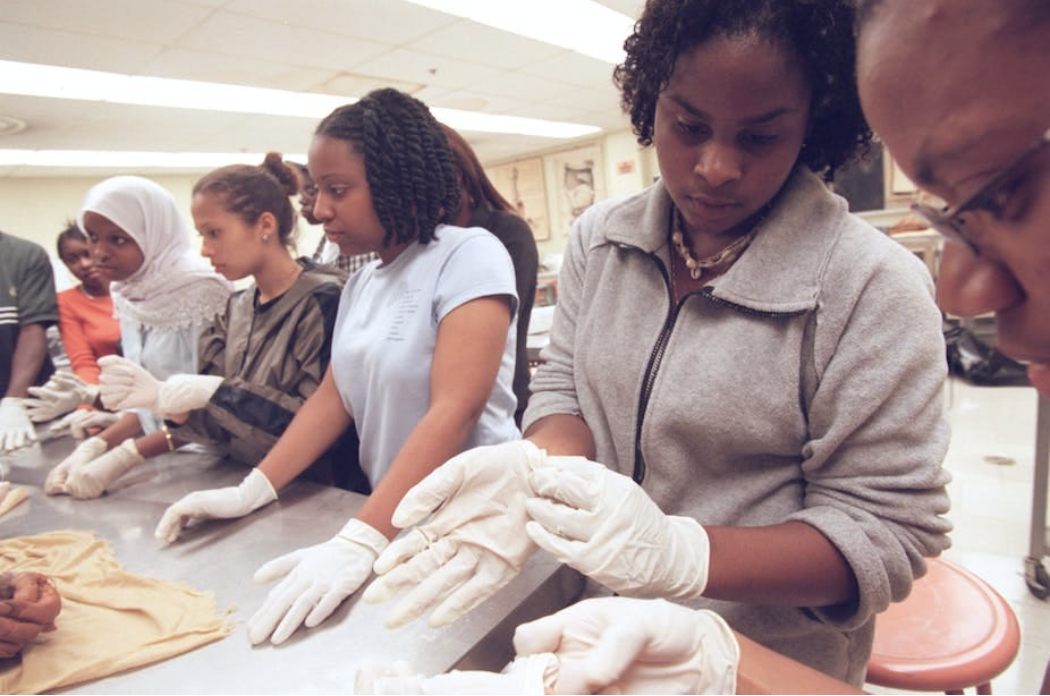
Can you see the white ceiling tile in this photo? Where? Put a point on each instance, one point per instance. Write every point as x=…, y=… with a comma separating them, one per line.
x=392, y=22
x=162, y=21
x=57, y=47
x=466, y=40
x=427, y=69
x=210, y=67
x=239, y=35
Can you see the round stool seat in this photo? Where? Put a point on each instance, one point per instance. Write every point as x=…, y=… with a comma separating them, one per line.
x=952, y=632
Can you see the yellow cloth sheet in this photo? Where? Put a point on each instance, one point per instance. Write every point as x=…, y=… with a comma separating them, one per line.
x=111, y=620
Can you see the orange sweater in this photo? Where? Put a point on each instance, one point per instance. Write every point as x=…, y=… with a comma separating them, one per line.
x=89, y=331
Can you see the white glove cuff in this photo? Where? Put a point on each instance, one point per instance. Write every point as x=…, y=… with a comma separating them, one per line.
x=12, y=402
x=364, y=534
x=182, y=393
x=132, y=449
x=90, y=394
x=720, y=654
x=95, y=446
x=696, y=552
x=257, y=489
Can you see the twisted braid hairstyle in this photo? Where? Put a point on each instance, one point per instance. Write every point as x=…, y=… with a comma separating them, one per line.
x=249, y=191
x=819, y=32
x=408, y=163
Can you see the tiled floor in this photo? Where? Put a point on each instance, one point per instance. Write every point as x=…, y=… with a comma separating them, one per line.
x=991, y=459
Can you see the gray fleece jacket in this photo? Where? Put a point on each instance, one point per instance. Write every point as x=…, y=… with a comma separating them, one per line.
x=803, y=384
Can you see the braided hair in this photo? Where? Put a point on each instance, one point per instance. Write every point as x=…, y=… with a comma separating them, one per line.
x=249, y=191
x=819, y=32
x=408, y=163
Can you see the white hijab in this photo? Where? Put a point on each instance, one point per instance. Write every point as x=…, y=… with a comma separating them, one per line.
x=174, y=287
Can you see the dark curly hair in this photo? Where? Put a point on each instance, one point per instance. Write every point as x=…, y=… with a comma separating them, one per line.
x=408, y=162
x=249, y=191
x=820, y=32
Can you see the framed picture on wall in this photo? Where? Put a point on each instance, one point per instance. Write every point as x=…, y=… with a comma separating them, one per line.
x=522, y=184
x=579, y=180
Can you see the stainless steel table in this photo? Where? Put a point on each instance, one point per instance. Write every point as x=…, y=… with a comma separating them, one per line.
x=221, y=556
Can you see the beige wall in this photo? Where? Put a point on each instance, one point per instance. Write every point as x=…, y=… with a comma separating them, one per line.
x=38, y=208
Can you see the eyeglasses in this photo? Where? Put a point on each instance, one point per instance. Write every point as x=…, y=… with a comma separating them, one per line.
x=992, y=196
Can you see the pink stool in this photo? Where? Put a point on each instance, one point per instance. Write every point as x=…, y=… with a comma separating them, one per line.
x=952, y=632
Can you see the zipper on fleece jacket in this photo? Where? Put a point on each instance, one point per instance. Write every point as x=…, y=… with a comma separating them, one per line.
x=655, y=358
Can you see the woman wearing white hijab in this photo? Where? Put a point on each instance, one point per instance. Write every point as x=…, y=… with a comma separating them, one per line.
x=164, y=294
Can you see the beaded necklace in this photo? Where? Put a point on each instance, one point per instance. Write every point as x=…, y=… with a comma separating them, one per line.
x=724, y=257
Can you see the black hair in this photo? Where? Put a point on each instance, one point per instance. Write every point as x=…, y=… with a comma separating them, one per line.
x=71, y=232
x=408, y=162
x=249, y=191
x=820, y=32
x=476, y=182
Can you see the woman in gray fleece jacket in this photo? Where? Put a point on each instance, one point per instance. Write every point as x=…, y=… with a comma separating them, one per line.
x=757, y=371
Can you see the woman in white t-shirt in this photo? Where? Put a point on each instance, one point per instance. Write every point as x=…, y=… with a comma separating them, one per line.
x=423, y=351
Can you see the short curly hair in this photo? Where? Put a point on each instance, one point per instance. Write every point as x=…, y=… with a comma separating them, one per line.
x=820, y=32
x=408, y=162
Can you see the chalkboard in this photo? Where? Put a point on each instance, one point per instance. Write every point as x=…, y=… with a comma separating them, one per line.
x=862, y=183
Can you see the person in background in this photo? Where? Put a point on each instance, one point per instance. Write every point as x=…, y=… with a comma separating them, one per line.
x=85, y=312
x=260, y=360
x=89, y=330
x=481, y=205
x=769, y=445
x=165, y=297
x=328, y=252
x=29, y=605
x=27, y=308
x=957, y=92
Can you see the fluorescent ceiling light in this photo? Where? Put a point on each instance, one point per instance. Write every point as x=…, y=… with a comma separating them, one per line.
x=50, y=81
x=133, y=160
x=584, y=26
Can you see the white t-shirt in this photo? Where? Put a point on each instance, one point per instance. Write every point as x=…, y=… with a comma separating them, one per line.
x=386, y=331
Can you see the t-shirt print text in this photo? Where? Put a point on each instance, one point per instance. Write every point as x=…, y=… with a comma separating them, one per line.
x=405, y=303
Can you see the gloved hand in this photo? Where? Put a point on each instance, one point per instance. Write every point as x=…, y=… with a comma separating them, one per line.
x=90, y=480
x=222, y=503
x=126, y=385
x=86, y=451
x=316, y=580
x=16, y=430
x=616, y=645
x=80, y=422
x=29, y=604
x=533, y=674
x=62, y=393
x=471, y=546
x=604, y=525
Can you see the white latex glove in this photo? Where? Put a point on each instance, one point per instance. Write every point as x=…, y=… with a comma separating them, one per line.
x=533, y=674
x=316, y=580
x=126, y=384
x=617, y=645
x=79, y=422
x=222, y=503
x=16, y=430
x=86, y=451
x=604, y=525
x=62, y=393
x=90, y=480
x=471, y=546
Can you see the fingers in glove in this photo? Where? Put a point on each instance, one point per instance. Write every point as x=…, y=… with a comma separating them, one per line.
x=331, y=600
x=278, y=567
x=294, y=617
x=420, y=560
x=55, y=483
x=171, y=523
x=401, y=550
x=567, y=486
x=568, y=551
x=436, y=586
x=275, y=609
x=478, y=587
x=563, y=521
x=542, y=635
x=429, y=494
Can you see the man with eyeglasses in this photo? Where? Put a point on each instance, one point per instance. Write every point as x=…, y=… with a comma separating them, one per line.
x=959, y=91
